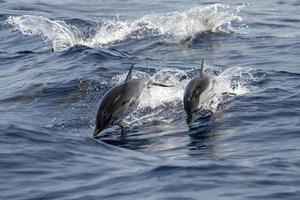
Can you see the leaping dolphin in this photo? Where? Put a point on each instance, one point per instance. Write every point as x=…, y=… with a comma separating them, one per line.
x=194, y=93
x=120, y=101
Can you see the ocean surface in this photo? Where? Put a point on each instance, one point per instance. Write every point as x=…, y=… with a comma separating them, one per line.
x=58, y=59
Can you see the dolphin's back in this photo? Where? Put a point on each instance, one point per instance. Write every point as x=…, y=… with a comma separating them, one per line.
x=133, y=89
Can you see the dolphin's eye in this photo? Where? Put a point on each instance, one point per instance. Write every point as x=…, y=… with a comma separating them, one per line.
x=104, y=111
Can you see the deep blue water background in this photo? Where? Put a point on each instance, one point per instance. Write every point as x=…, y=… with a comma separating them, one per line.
x=53, y=77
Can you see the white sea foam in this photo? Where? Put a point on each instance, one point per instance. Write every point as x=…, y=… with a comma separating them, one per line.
x=161, y=104
x=176, y=25
x=60, y=35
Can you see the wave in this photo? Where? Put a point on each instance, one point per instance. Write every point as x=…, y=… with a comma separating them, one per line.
x=160, y=105
x=176, y=25
x=60, y=35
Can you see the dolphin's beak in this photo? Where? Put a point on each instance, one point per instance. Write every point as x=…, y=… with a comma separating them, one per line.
x=189, y=119
x=96, y=132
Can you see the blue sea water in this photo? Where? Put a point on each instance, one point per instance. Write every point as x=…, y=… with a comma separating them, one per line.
x=58, y=59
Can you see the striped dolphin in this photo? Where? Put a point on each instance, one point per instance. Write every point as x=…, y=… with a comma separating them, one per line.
x=120, y=101
x=193, y=95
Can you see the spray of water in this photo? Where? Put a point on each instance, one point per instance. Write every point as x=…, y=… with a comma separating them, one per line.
x=176, y=25
x=158, y=104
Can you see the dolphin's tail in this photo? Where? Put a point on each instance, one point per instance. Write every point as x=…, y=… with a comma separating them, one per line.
x=150, y=83
x=160, y=84
x=228, y=94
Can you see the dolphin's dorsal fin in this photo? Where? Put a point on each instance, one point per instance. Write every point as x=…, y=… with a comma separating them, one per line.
x=124, y=96
x=202, y=68
x=129, y=75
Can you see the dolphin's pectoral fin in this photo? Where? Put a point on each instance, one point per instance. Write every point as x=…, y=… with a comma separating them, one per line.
x=122, y=125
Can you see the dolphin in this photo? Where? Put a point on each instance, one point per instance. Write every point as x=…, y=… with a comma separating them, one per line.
x=120, y=101
x=194, y=94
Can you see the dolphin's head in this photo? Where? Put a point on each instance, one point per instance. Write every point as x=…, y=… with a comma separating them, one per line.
x=192, y=95
x=102, y=121
x=190, y=106
x=191, y=99
x=190, y=117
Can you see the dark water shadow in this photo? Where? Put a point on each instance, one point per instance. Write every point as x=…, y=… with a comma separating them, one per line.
x=200, y=139
x=203, y=136
x=159, y=138
x=134, y=138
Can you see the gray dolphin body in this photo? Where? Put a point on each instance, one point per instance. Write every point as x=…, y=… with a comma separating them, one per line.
x=120, y=101
x=194, y=94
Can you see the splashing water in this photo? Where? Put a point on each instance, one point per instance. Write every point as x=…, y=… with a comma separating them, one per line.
x=58, y=33
x=177, y=25
x=158, y=104
x=234, y=81
x=181, y=25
